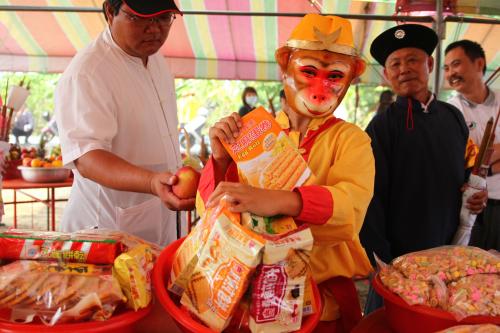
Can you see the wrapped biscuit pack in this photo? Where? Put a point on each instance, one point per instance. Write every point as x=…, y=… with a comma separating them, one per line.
x=273, y=225
x=222, y=272
x=41, y=245
x=279, y=285
x=187, y=254
x=265, y=155
x=133, y=271
x=58, y=292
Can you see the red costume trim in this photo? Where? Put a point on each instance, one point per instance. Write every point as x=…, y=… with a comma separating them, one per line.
x=317, y=204
x=207, y=180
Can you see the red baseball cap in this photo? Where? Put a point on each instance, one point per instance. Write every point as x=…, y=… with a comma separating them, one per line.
x=149, y=8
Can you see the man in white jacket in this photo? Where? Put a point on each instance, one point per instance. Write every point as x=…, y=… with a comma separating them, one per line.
x=465, y=65
x=117, y=117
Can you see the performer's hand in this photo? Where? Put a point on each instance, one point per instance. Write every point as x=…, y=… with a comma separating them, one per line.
x=477, y=202
x=261, y=202
x=161, y=186
x=226, y=129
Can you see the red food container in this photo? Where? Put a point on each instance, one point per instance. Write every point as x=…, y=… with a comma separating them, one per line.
x=405, y=318
x=161, y=276
x=120, y=323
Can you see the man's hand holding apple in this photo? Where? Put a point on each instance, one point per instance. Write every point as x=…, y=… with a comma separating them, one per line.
x=162, y=186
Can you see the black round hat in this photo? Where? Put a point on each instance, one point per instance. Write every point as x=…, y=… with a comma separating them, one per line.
x=401, y=36
x=148, y=8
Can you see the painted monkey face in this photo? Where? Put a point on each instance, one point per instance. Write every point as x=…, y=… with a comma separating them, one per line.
x=316, y=81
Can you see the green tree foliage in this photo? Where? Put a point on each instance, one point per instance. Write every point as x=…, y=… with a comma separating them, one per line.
x=41, y=87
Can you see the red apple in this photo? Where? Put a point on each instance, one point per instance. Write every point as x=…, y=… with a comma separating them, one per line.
x=187, y=183
x=27, y=161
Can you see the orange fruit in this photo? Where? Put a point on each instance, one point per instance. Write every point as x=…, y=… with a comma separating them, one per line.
x=36, y=162
x=57, y=163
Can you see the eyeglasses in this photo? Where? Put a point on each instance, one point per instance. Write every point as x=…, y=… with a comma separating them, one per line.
x=164, y=20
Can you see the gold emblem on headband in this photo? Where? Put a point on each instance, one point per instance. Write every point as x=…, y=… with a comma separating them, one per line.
x=327, y=39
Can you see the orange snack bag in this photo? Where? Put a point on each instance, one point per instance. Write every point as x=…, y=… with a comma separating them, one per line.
x=265, y=155
x=221, y=275
x=187, y=254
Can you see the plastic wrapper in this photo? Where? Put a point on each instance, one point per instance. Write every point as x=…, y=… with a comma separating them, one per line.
x=265, y=155
x=449, y=263
x=187, y=254
x=484, y=328
x=222, y=272
x=47, y=245
x=461, y=280
x=475, y=295
x=273, y=225
x=133, y=271
x=279, y=283
x=57, y=292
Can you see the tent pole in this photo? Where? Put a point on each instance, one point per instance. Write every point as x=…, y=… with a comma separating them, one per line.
x=400, y=18
x=439, y=26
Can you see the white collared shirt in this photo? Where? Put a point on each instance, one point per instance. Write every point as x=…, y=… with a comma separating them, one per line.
x=107, y=99
x=476, y=116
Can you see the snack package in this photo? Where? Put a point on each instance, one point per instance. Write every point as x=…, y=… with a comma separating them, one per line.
x=475, y=295
x=449, y=263
x=187, y=254
x=58, y=292
x=48, y=245
x=265, y=155
x=221, y=275
x=279, y=283
x=273, y=225
x=133, y=271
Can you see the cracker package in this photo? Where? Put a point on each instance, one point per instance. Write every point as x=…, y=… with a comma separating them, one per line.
x=58, y=246
x=58, y=292
x=133, y=270
x=187, y=254
x=279, y=285
x=265, y=155
x=273, y=225
x=221, y=275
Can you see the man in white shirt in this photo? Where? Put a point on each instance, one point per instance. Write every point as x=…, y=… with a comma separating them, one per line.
x=117, y=119
x=465, y=65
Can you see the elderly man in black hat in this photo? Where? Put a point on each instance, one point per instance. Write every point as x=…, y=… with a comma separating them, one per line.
x=419, y=144
x=117, y=118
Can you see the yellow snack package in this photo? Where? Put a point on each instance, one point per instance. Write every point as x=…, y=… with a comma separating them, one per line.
x=265, y=155
x=133, y=271
x=221, y=275
x=187, y=254
x=273, y=225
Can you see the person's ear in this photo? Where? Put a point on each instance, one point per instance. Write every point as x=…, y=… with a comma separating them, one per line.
x=430, y=63
x=108, y=12
x=282, y=56
x=359, y=67
x=480, y=63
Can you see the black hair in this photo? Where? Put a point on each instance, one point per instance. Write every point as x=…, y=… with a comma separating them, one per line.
x=246, y=91
x=115, y=5
x=282, y=94
x=472, y=49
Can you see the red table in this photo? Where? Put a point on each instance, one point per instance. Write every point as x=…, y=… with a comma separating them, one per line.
x=18, y=185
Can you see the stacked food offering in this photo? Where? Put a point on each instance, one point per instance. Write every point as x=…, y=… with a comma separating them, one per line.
x=464, y=281
x=245, y=272
x=61, y=278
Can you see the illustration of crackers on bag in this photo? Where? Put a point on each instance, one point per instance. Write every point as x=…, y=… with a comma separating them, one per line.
x=265, y=155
